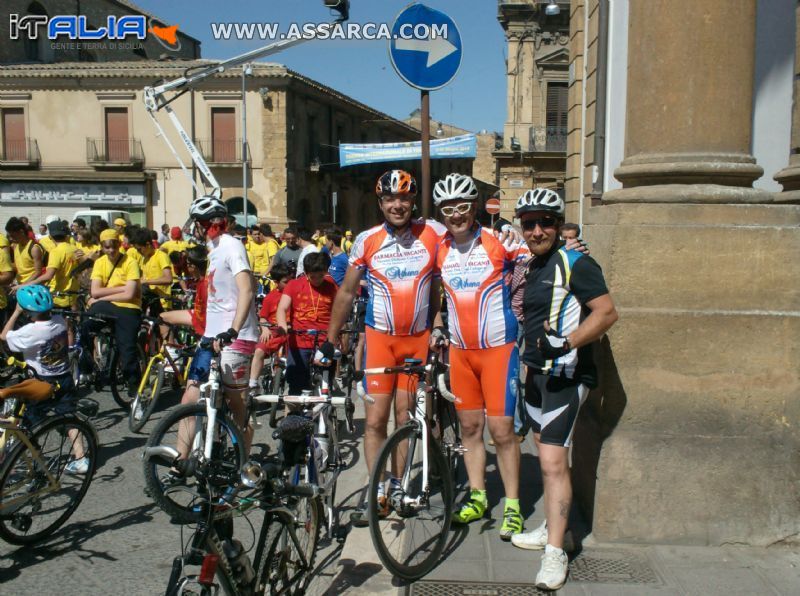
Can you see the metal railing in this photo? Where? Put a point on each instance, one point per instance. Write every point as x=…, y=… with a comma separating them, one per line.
x=222, y=151
x=548, y=138
x=114, y=152
x=20, y=151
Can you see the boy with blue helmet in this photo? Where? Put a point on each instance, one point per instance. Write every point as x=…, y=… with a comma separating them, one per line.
x=44, y=345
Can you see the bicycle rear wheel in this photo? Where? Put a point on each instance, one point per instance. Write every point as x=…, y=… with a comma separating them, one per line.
x=38, y=492
x=145, y=401
x=410, y=539
x=185, y=429
x=281, y=570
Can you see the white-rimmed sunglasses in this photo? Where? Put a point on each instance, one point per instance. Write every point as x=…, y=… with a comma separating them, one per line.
x=451, y=210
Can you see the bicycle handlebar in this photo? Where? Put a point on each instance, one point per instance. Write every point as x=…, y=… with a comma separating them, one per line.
x=301, y=400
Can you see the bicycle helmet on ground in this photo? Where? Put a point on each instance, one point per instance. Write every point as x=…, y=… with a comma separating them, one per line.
x=34, y=298
x=396, y=182
x=540, y=199
x=207, y=207
x=455, y=186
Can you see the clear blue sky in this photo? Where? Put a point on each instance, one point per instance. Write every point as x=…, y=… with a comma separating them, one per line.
x=475, y=100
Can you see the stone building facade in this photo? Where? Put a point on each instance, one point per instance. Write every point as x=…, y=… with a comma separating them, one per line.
x=42, y=50
x=71, y=158
x=533, y=152
x=679, y=118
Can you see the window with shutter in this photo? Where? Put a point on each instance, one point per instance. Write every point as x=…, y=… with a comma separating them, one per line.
x=14, y=146
x=223, y=135
x=557, y=94
x=117, y=138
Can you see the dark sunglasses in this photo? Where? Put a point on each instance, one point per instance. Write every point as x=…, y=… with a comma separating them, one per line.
x=548, y=221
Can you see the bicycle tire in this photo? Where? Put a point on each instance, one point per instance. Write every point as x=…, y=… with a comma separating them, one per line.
x=180, y=504
x=449, y=438
x=148, y=395
x=19, y=476
x=276, y=570
x=116, y=381
x=275, y=389
x=398, y=528
x=102, y=352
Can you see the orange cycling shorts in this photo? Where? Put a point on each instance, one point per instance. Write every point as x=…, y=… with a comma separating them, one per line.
x=485, y=379
x=382, y=350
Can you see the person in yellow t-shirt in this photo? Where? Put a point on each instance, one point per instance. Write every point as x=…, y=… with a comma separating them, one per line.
x=174, y=249
x=28, y=255
x=6, y=278
x=156, y=273
x=116, y=293
x=61, y=263
x=347, y=242
x=258, y=248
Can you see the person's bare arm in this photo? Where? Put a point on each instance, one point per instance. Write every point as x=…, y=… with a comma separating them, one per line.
x=282, y=314
x=98, y=290
x=12, y=320
x=603, y=315
x=7, y=278
x=122, y=294
x=244, y=284
x=344, y=302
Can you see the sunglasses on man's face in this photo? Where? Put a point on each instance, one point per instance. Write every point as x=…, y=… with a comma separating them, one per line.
x=451, y=210
x=548, y=221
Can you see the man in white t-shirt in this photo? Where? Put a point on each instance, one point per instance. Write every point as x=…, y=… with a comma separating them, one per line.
x=304, y=239
x=230, y=311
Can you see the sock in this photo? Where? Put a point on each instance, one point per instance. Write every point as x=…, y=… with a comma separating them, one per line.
x=394, y=484
x=382, y=489
x=512, y=504
x=478, y=495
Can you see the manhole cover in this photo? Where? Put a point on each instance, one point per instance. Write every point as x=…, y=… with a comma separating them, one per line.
x=611, y=567
x=454, y=588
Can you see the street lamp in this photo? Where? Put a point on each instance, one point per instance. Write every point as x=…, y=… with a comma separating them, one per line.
x=247, y=70
x=439, y=130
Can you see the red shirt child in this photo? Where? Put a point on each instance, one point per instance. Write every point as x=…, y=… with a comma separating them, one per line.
x=199, y=308
x=269, y=308
x=310, y=308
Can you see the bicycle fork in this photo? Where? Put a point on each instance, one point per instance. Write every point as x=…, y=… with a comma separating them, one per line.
x=421, y=424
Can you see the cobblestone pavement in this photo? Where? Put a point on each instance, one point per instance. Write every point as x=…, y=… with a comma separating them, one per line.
x=117, y=541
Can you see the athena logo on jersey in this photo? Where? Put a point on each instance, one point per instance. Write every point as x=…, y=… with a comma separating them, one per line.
x=401, y=273
x=458, y=283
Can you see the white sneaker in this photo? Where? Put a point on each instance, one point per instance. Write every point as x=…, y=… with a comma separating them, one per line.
x=533, y=540
x=77, y=466
x=553, y=572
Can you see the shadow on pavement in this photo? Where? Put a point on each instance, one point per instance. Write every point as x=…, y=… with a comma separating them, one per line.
x=351, y=576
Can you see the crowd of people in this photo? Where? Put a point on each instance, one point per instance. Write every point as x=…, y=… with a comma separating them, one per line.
x=518, y=310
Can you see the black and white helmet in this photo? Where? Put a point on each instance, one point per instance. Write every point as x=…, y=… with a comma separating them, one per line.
x=207, y=207
x=455, y=186
x=540, y=199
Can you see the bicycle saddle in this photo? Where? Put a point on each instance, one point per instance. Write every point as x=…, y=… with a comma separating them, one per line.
x=28, y=390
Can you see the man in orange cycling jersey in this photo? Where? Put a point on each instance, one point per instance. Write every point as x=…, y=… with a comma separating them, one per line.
x=475, y=269
x=398, y=257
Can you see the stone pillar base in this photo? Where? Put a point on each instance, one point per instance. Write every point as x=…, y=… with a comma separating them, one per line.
x=789, y=178
x=692, y=436
x=688, y=193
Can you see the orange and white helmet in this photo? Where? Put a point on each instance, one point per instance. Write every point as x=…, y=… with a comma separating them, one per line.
x=396, y=182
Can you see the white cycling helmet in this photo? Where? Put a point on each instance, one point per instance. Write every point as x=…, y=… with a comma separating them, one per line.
x=540, y=199
x=455, y=186
x=207, y=207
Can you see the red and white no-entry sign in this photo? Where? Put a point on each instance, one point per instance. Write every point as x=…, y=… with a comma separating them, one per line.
x=493, y=206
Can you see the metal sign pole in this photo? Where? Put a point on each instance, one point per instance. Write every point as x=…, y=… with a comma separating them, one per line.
x=245, y=68
x=426, y=154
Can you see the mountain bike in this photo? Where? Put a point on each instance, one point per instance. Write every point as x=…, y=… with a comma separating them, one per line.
x=40, y=483
x=410, y=537
x=170, y=363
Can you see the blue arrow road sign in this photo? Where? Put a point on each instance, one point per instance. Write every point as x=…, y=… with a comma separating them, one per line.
x=425, y=48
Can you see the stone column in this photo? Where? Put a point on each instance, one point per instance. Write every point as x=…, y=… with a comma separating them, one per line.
x=690, y=97
x=789, y=177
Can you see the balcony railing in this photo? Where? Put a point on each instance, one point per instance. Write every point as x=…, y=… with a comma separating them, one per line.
x=548, y=138
x=20, y=152
x=222, y=152
x=115, y=152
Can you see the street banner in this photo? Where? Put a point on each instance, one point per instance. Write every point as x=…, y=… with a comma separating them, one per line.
x=351, y=154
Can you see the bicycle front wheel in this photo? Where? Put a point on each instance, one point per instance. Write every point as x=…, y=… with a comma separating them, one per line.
x=145, y=401
x=281, y=570
x=185, y=429
x=410, y=533
x=40, y=488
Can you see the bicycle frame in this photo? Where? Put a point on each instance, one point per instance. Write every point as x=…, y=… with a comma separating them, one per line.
x=53, y=483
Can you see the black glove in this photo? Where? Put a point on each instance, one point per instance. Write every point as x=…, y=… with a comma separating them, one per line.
x=328, y=350
x=439, y=334
x=553, y=345
x=227, y=337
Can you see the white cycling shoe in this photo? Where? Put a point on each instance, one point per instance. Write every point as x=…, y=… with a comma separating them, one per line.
x=553, y=572
x=533, y=540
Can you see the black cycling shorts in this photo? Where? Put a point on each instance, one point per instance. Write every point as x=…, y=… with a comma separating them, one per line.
x=552, y=405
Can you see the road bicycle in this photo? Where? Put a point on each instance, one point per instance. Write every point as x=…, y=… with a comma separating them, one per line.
x=285, y=548
x=171, y=363
x=410, y=532
x=40, y=483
